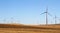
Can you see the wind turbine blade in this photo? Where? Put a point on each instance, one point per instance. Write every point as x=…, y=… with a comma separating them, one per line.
x=42, y=13
x=49, y=14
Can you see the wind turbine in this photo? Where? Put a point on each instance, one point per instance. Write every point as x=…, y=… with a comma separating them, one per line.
x=46, y=13
x=11, y=19
x=59, y=21
x=4, y=20
x=55, y=19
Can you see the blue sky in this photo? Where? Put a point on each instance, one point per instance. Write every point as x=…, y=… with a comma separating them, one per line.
x=28, y=11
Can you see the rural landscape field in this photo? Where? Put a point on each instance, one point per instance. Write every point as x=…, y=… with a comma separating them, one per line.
x=13, y=28
x=29, y=16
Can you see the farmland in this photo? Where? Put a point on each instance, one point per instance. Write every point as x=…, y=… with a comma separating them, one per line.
x=15, y=28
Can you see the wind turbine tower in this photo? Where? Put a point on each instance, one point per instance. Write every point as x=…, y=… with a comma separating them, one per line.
x=46, y=16
x=55, y=19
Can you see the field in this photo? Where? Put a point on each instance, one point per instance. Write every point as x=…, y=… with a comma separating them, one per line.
x=14, y=28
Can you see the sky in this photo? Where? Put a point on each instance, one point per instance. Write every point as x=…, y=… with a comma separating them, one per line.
x=28, y=11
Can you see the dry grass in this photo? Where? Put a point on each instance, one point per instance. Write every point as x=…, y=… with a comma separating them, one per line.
x=13, y=28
